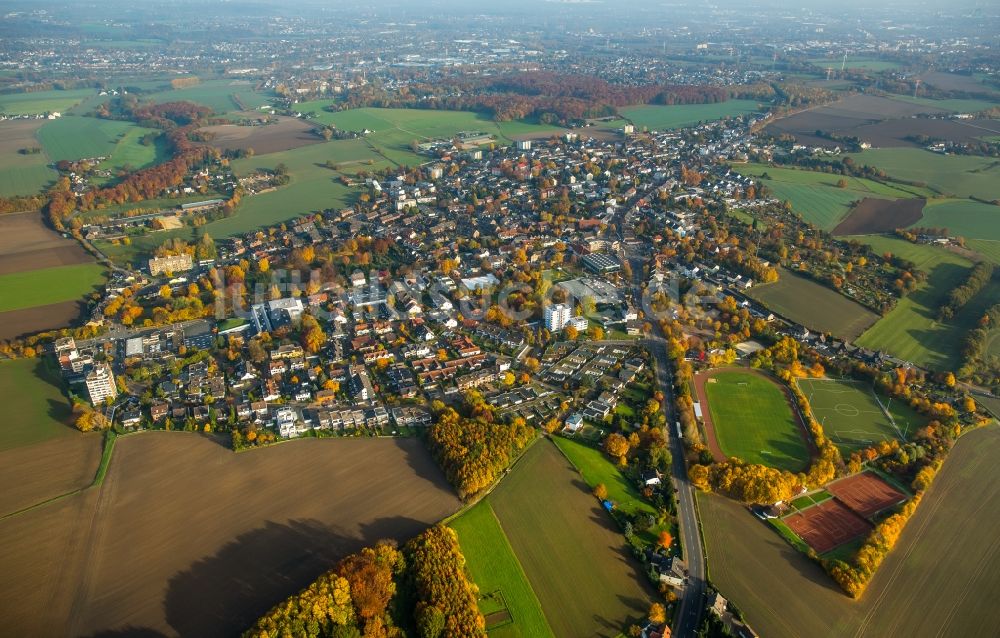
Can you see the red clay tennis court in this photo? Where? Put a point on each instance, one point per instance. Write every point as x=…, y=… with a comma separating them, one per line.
x=827, y=525
x=866, y=493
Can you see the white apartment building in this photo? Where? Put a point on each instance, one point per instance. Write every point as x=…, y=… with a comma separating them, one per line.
x=101, y=383
x=557, y=316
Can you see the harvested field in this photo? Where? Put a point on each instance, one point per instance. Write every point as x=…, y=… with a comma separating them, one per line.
x=41, y=454
x=38, y=472
x=950, y=577
x=893, y=133
x=875, y=216
x=27, y=244
x=28, y=250
x=846, y=116
x=573, y=553
x=956, y=82
x=187, y=538
x=16, y=323
x=286, y=134
x=827, y=525
x=866, y=493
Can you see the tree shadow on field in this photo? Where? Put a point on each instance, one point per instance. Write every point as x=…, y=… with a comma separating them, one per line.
x=801, y=563
x=223, y=594
x=419, y=459
x=129, y=632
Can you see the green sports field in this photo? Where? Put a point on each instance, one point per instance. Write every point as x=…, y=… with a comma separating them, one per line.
x=958, y=175
x=575, y=557
x=502, y=582
x=753, y=420
x=911, y=330
x=851, y=416
x=33, y=402
x=816, y=197
x=660, y=118
x=48, y=285
x=815, y=306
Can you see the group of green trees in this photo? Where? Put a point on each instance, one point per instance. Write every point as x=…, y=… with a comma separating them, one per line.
x=383, y=592
x=979, y=276
x=976, y=364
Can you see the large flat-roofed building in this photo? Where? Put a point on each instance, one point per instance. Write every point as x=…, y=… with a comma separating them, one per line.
x=601, y=263
x=101, y=383
x=171, y=264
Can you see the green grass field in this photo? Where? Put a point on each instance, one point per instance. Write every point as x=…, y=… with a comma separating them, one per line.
x=394, y=130
x=215, y=94
x=754, y=422
x=494, y=567
x=73, y=137
x=814, y=305
x=660, y=118
x=43, y=101
x=958, y=175
x=597, y=468
x=48, y=285
x=964, y=217
x=34, y=405
x=27, y=179
x=783, y=594
x=572, y=552
x=22, y=174
x=988, y=248
x=911, y=330
x=816, y=197
x=312, y=188
x=852, y=418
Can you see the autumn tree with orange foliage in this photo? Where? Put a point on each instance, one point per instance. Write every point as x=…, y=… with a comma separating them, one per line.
x=472, y=449
x=446, y=598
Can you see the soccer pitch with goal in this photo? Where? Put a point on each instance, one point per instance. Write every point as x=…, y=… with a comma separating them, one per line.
x=853, y=416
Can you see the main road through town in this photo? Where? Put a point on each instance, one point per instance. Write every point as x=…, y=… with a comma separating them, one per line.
x=688, y=616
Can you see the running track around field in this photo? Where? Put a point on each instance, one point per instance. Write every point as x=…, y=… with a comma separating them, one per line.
x=712, y=441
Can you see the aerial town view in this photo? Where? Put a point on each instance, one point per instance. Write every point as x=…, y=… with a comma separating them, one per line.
x=527, y=319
